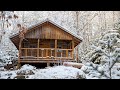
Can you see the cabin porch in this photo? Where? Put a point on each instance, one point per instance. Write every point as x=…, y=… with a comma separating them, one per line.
x=46, y=51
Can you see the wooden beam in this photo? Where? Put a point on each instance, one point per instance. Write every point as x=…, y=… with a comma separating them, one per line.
x=46, y=53
x=19, y=54
x=66, y=53
x=18, y=65
x=77, y=55
x=44, y=48
x=42, y=61
x=72, y=49
x=48, y=64
x=25, y=52
x=70, y=45
x=38, y=48
x=42, y=53
x=55, y=48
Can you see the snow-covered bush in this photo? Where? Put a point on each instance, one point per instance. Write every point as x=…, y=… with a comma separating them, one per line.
x=105, y=52
x=8, y=57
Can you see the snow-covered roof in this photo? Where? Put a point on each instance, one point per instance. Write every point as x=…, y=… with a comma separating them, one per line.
x=15, y=38
x=54, y=23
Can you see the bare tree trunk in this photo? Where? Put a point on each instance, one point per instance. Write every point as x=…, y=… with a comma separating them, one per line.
x=105, y=20
x=78, y=32
x=2, y=25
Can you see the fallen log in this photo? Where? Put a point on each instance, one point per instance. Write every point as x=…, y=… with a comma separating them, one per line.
x=73, y=64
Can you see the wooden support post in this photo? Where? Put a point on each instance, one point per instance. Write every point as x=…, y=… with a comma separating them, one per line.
x=70, y=45
x=55, y=48
x=18, y=65
x=48, y=64
x=25, y=52
x=67, y=53
x=38, y=48
x=19, y=54
x=72, y=49
x=77, y=55
x=42, y=52
x=46, y=53
x=51, y=53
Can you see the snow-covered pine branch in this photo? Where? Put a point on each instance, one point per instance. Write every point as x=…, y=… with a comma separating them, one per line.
x=105, y=53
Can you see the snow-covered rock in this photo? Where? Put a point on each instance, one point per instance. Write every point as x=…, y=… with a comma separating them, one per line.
x=26, y=70
x=27, y=67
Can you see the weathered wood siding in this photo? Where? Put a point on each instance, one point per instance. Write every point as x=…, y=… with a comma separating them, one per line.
x=48, y=31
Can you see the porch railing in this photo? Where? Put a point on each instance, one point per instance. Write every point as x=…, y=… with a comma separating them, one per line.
x=46, y=53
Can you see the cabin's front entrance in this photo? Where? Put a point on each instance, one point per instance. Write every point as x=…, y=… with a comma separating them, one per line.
x=46, y=50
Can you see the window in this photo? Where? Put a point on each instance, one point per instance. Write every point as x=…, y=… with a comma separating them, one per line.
x=59, y=45
x=52, y=44
x=33, y=45
x=26, y=44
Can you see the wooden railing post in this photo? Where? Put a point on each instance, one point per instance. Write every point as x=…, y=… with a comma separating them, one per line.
x=55, y=48
x=77, y=55
x=72, y=49
x=19, y=54
x=25, y=52
x=38, y=48
x=67, y=53
x=42, y=52
x=46, y=53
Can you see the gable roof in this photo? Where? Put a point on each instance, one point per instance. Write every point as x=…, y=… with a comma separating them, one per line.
x=47, y=20
x=42, y=22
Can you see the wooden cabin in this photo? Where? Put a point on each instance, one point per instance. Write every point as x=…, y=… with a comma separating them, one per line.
x=46, y=42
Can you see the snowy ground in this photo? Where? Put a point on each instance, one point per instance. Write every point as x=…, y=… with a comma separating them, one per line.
x=56, y=72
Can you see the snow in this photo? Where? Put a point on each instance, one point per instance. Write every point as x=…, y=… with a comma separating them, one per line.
x=57, y=72
x=100, y=69
x=61, y=72
x=116, y=71
x=97, y=73
x=7, y=74
x=105, y=51
x=27, y=67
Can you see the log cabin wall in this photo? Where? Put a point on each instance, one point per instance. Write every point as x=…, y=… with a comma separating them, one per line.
x=48, y=31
